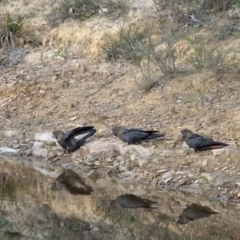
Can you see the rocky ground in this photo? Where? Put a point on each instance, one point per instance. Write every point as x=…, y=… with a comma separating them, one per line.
x=42, y=94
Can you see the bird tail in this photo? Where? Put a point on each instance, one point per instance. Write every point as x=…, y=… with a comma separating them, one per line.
x=155, y=135
x=217, y=145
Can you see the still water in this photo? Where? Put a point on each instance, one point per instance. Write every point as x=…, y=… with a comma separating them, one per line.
x=42, y=202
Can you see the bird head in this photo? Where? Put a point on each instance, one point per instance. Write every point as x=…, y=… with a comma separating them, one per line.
x=183, y=135
x=57, y=134
x=116, y=130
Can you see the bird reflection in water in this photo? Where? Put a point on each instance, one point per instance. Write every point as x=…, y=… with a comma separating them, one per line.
x=72, y=182
x=131, y=201
x=194, y=212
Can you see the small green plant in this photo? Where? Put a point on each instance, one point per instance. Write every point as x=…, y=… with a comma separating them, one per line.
x=197, y=60
x=164, y=57
x=128, y=44
x=147, y=80
x=12, y=28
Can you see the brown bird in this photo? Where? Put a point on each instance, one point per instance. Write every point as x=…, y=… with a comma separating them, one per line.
x=200, y=143
x=134, y=135
x=68, y=141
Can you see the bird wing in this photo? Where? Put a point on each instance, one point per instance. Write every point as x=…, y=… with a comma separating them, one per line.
x=135, y=134
x=197, y=141
x=76, y=131
x=139, y=130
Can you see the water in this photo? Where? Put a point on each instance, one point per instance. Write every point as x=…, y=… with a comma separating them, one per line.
x=35, y=203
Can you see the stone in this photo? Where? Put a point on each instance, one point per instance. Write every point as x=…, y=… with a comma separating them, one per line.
x=204, y=162
x=45, y=137
x=122, y=168
x=93, y=175
x=162, y=171
x=142, y=162
x=142, y=151
x=166, y=177
x=237, y=183
x=208, y=177
x=132, y=157
x=90, y=159
x=8, y=151
x=81, y=153
x=181, y=182
x=101, y=146
x=10, y=133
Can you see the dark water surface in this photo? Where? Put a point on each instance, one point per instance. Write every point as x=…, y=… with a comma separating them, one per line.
x=39, y=202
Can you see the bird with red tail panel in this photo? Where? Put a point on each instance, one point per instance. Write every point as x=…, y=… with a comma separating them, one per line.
x=200, y=143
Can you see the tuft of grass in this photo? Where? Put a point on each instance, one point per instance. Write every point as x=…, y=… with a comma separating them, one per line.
x=117, y=8
x=13, y=28
x=128, y=44
x=80, y=9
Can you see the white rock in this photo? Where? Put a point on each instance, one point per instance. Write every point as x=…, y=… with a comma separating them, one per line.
x=10, y=133
x=38, y=145
x=142, y=151
x=204, y=162
x=184, y=145
x=7, y=150
x=166, y=177
x=101, y=146
x=45, y=137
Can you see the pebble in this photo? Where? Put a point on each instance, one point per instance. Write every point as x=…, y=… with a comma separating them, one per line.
x=208, y=177
x=205, y=163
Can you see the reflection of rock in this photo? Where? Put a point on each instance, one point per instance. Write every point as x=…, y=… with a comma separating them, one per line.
x=13, y=235
x=38, y=150
x=131, y=201
x=194, y=212
x=71, y=181
x=8, y=151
